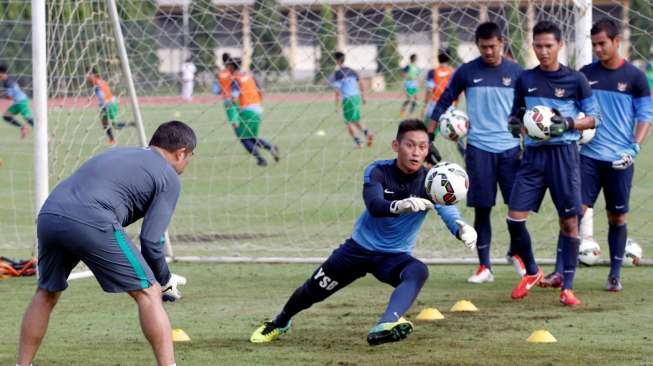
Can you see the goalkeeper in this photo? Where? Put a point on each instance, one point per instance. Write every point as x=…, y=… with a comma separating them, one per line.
x=83, y=219
x=382, y=241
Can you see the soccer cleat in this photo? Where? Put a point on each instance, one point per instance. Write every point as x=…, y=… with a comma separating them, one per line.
x=525, y=284
x=111, y=142
x=275, y=153
x=389, y=332
x=268, y=332
x=614, y=284
x=482, y=275
x=24, y=131
x=261, y=162
x=568, y=298
x=370, y=139
x=518, y=263
x=553, y=280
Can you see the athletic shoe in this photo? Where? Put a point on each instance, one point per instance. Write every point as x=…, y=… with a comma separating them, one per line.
x=268, y=332
x=526, y=283
x=553, y=279
x=614, y=284
x=389, y=332
x=370, y=139
x=24, y=131
x=111, y=142
x=518, y=263
x=275, y=153
x=568, y=298
x=261, y=162
x=482, y=275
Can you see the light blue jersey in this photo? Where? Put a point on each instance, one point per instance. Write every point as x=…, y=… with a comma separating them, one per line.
x=346, y=81
x=13, y=90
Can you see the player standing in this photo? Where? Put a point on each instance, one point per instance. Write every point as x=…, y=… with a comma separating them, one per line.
x=245, y=91
x=552, y=164
x=382, y=241
x=410, y=74
x=349, y=88
x=84, y=219
x=187, y=72
x=492, y=155
x=20, y=102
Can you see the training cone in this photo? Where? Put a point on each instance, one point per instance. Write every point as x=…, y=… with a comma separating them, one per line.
x=430, y=314
x=464, y=305
x=541, y=336
x=178, y=335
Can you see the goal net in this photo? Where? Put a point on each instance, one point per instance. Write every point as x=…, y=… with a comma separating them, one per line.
x=306, y=204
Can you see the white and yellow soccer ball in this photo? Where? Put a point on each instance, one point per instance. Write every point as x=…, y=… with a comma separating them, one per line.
x=633, y=253
x=586, y=135
x=537, y=122
x=447, y=183
x=589, y=252
x=454, y=124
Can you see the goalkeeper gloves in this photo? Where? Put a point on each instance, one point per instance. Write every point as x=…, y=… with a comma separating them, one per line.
x=515, y=123
x=170, y=292
x=433, y=157
x=410, y=205
x=467, y=234
x=627, y=157
x=560, y=124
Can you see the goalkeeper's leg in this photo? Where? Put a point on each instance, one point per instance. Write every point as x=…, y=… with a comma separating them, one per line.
x=155, y=323
x=35, y=324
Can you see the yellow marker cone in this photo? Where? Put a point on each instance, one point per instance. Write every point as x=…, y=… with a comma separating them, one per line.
x=541, y=336
x=178, y=335
x=430, y=314
x=464, y=305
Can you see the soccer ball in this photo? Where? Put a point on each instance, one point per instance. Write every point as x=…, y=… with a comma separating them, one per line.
x=586, y=135
x=447, y=183
x=633, y=253
x=454, y=124
x=589, y=252
x=537, y=121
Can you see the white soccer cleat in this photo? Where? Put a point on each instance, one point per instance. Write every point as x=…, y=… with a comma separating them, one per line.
x=482, y=275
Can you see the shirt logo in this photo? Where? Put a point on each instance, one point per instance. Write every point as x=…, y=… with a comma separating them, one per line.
x=476, y=81
x=622, y=87
x=443, y=73
x=530, y=90
x=592, y=82
x=506, y=81
x=559, y=92
x=387, y=191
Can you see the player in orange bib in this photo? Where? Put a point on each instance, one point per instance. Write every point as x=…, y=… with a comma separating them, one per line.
x=222, y=87
x=108, y=105
x=436, y=81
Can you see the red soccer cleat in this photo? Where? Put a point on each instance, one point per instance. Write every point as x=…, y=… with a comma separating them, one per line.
x=370, y=139
x=526, y=283
x=24, y=131
x=568, y=298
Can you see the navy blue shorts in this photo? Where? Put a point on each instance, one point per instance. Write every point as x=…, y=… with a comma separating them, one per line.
x=556, y=167
x=485, y=170
x=616, y=184
x=351, y=261
x=116, y=263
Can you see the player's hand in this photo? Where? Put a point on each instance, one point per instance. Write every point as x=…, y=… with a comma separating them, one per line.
x=433, y=157
x=467, y=234
x=170, y=292
x=627, y=157
x=560, y=124
x=410, y=205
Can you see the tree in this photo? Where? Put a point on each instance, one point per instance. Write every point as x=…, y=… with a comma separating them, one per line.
x=327, y=41
x=15, y=26
x=515, y=33
x=267, y=26
x=640, y=28
x=139, y=28
x=202, y=25
x=453, y=43
x=388, y=58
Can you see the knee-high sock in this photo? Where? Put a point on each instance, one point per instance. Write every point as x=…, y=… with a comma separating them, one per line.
x=413, y=105
x=412, y=280
x=617, y=236
x=559, y=261
x=406, y=102
x=264, y=144
x=569, y=259
x=12, y=121
x=520, y=240
x=30, y=121
x=483, y=228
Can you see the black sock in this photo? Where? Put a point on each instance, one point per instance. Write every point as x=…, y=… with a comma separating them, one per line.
x=413, y=105
x=12, y=121
x=30, y=121
x=520, y=241
x=569, y=259
x=617, y=236
x=483, y=228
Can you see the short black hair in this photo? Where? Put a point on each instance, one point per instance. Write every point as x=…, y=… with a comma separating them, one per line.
x=174, y=135
x=413, y=57
x=547, y=27
x=488, y=30
x=443, y=56
x=408, y=125
x=3, y=69
x=609, y=26
x=235, y=62
x=339, y=56
x=93, y=71
x=225, y=57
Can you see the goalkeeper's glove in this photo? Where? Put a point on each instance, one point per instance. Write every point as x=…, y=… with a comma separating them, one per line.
x=515, y=122
x=170, y=292
x=627, y=157
x=560, y=124
x=433, y=157
x=410, y=205
x=467, y=234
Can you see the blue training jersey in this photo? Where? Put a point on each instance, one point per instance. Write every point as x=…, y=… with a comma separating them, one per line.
x=565, y=90
x=625, y=99
x=489, y=92
x=379, y=230
x=346, y=81
x=12, y=90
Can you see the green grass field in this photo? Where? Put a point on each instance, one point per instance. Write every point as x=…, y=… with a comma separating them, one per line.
x=224, y=303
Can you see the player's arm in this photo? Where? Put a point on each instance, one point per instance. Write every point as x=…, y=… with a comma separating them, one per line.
x=376, y=203
x=588, y=105
x=456, y=225
x=643, y=106
x=515, y=119
x=361, y=87
x=451, y=92
x=100, y=96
